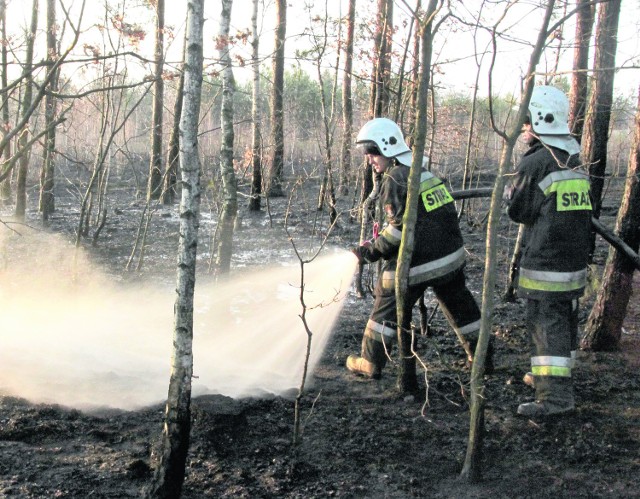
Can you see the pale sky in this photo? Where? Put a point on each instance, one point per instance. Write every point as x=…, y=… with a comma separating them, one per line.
x=453, y=53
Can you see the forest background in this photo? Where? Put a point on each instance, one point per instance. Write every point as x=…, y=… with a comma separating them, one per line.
x=82, y=129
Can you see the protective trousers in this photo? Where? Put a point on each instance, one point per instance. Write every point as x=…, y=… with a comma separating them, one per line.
x=553, y=325
x=456, y=301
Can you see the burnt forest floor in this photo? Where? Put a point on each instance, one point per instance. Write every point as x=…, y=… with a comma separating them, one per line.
x=360, y=438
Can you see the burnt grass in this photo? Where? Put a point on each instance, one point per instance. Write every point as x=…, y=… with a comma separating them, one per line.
x=360, y=438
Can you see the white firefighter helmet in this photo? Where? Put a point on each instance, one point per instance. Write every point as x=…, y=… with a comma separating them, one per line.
x=549, y=115
x=549, y=111
x=387, y=137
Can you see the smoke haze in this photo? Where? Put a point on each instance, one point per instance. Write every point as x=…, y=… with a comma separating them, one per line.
x=69, y=335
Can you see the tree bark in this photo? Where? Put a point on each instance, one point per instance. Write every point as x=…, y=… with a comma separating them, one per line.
x=5, y=151
x=23, y=139
x=229, y=183
x=169, y=475
x=154, y=187
x=169, y=190
x=380, y=95
x=604, y=326
x=579, y=80
x=472, y=469
x=277, y=103
x=256, y=141
x=596, y=131
x=347, y=104
x=47, y=176
x=407, y=373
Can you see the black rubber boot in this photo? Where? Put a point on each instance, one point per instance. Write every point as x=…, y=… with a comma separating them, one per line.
x=554, y=396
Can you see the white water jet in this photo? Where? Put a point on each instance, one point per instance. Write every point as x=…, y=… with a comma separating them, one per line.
x=90, y=343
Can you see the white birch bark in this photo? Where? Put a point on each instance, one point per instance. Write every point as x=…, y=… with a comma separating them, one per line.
x=229, y=183
x=169, y=475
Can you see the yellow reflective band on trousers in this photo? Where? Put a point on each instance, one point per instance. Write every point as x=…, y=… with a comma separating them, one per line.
x=378, y=332
x=541, y=280
x=548, y=365
x=427, y=271
x=571, y=188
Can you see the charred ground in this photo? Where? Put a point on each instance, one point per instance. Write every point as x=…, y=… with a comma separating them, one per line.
x=360, y=438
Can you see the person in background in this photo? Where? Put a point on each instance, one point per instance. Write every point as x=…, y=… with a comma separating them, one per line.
x=551, y=197
x=438, y=257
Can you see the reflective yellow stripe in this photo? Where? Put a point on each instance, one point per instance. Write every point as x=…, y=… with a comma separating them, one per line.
x=427, y=181
x=571, y=188
x=551, y=365
x=552, y=281
x=427, y=271
x=564, y=372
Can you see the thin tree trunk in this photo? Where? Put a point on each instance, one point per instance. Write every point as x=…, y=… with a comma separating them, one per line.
x=407, y=382
x=379, y=99
x=154, y=187
x=47, y=199
x=579, y=80
x=347, y=104
x=23, y=165
x=604, y=326
x=169, y=190
x=415, y=72
x=472, y=469
x=514, y=267
x=229, y=183
x=277, y=103
x=169, y=475
x=256, y=142
x=5, y=151
x=596, y=131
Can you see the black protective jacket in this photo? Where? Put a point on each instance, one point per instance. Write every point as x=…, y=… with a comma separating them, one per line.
x=551, y=197
x=438, y=246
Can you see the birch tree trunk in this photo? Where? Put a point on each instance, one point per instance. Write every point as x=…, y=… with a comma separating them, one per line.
x=277, y=103
x=604, y=326
x=256, y=132
x=229, y=183
x=47, y=199
x=407, y=382
x=23, y=139
x=154, y=186
x=472, y=470
x=169, y=475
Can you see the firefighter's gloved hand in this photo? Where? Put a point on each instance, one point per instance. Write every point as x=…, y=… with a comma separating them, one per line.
x=364, y=252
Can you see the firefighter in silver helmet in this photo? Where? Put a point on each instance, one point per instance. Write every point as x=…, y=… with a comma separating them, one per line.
x=550, y=195
x=438, y=257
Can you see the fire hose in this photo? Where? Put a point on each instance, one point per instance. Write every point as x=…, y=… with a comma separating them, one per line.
x=600, y=229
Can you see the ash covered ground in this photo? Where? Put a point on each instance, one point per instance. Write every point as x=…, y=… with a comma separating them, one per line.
x=360, y=438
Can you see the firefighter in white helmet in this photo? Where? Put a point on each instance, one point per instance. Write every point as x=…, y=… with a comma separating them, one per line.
x=550, y=195
x=438, y=257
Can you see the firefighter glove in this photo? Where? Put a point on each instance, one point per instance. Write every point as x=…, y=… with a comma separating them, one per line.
x=364, y=252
